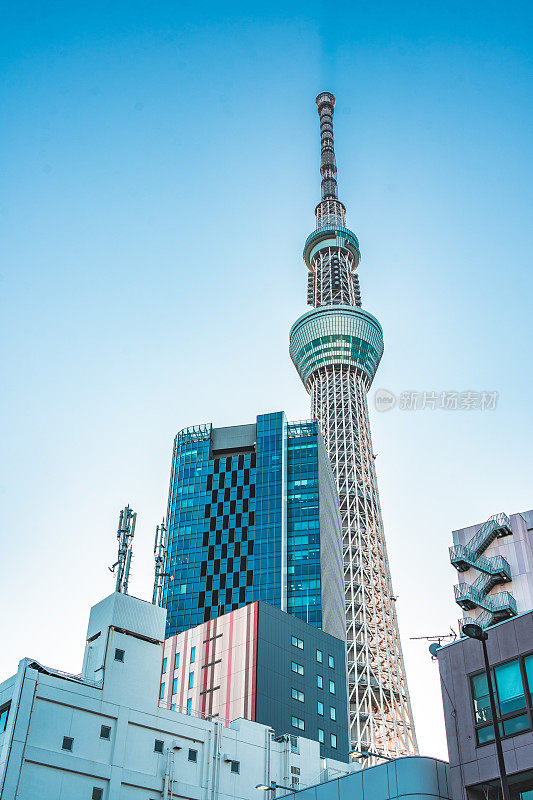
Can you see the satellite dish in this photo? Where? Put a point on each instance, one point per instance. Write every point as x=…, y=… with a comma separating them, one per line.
x=433, y=648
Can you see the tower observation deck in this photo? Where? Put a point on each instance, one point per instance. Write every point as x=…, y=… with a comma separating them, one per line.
x=336, y=348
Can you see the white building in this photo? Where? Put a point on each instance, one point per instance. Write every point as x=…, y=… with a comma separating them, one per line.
x=495, y=565
x=102, y=736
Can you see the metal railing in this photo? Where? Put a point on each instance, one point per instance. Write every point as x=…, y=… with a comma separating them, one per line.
x=491, y=566
x=498, y=524
x=468, y=594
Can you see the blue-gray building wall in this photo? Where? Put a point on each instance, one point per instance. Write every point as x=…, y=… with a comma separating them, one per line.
x=275, y=680
x=473, y=766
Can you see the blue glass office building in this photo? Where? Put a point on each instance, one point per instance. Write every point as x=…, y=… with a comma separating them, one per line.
x=253, y=515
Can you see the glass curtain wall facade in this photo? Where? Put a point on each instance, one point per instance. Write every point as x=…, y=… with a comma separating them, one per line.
x=245, y=523
x=303, y=524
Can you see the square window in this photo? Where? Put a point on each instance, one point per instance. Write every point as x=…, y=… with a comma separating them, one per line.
x=297, y=642
x=236, y=766
x=193, y=755
x=296, y=694
x=119, y=654
x=319, y=656
x=98, y=793
x=332, y=713
x=298, y=668
x=68, y=742
x=320, y=681
x=158, y=746
x=320, y=708
x=105, y=732
x=334, y=741
x=321, y=736
x=331, y=662
x=332, y=687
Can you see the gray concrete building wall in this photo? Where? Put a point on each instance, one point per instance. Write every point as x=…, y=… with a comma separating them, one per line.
x=473, y=767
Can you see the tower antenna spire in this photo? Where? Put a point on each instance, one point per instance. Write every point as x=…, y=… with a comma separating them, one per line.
x=330, y=211
x=328, y=169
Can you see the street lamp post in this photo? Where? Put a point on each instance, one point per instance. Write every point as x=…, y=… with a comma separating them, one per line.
x=272, y=788
x=476, y=632
x=369, y=753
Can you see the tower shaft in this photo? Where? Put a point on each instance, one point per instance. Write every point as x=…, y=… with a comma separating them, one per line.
x=336, y=348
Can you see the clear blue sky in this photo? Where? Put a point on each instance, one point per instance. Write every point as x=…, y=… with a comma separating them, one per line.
x=159, y=174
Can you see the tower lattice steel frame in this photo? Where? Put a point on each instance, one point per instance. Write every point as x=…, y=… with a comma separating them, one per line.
x=336, y=348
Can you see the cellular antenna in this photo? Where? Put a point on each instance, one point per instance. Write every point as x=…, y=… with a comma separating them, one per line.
x=125, y=534
x=160, y=555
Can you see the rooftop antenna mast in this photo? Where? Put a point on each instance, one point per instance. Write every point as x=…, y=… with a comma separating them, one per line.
x=160, y=554
x=125, y=534
x=436, y=641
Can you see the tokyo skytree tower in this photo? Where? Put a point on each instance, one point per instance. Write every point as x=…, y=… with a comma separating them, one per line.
x=336, y=348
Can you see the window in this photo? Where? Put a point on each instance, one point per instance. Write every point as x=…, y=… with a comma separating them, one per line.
x=295, y=782
x=193, y=755
x=4, y=714
x=119, y=654
x=295, y=748
x=320, y=708
x=320, y=681
x=191, y=679
x=174, y=686
x=297, y=642
x=98, y=793
x=177, y=661
x=295, y=770
x=105, y=732
x=321, y=736
x=158, y=746
x=319, y=656
x=162, y=691
x=235, y=766
x=332, y=714
x=189, y=705
x=298, y=668
x=512, y=683
x=193, y=655
x=509, y=686
x=296, y=722
x=331, y=662
x=164, y=668
x=332, y=687
x=68, y=741
x=334, y=740
x=296, y=694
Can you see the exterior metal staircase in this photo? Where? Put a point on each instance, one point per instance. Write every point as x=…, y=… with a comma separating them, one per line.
x=493, y=571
